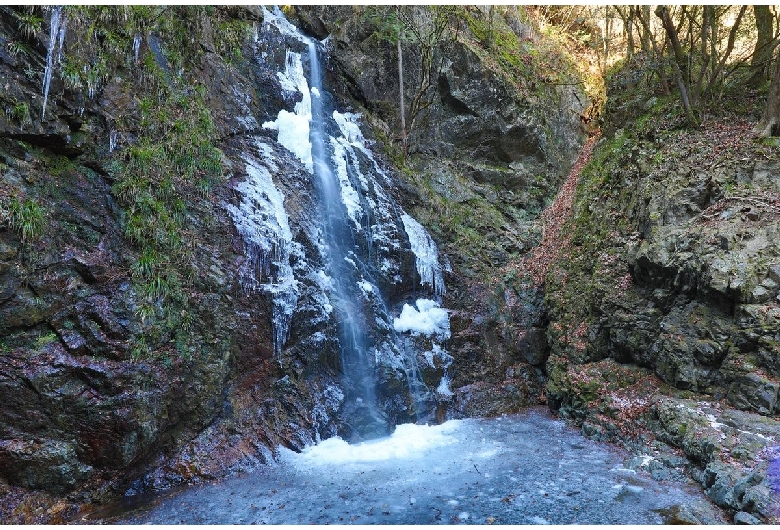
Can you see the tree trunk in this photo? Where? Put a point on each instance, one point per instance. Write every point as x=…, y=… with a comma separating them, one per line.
x=770, y=121
x=643, y=12
x=662, y=12
x=706, y=28
x=729, y=48
x=762, y=53
x=643, y=15
x=606, y=36
x=630, y=34
x=401, y=96
x=628, y=29
x=678, y=64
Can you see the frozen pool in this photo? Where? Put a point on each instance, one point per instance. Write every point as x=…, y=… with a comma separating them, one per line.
x=523, y=469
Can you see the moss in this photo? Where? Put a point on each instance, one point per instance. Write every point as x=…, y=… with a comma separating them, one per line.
x=475, y=227
x=20, y=112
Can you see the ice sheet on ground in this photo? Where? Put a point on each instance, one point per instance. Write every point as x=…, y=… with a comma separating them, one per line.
x=407, y=441
x=519, y=469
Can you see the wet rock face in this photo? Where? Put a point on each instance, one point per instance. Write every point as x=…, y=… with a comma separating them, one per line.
x=87, y=404
x=80, y=408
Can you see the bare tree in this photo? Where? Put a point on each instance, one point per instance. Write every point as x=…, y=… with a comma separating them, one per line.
x=679, y=63
x=770, y=120
x=425, y=28
x=762, y=53
x=401, y=97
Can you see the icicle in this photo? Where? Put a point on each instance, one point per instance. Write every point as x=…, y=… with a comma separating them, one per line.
x=54, y=34
x=61, y=38
x=263, y=223
x=136, y=46
x=427, y=254
x=111, y=141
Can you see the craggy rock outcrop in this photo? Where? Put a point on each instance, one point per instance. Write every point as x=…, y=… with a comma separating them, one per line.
x=97, y=389
x=79, y=407
x=664, y=309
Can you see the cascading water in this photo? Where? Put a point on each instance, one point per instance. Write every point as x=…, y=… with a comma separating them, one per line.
x=361, y=238
x=345, y=269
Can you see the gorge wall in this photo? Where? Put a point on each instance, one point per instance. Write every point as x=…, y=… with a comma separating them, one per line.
x=165, y=307
x=135, y=352
x=663, y=300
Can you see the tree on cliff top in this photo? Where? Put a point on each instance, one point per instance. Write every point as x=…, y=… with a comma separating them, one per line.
x=704, y=52
x=424, y=28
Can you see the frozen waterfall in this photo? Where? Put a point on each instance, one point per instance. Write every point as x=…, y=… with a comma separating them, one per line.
x=361, y=235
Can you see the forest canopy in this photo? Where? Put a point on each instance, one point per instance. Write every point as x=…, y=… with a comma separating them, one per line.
x=701, y=53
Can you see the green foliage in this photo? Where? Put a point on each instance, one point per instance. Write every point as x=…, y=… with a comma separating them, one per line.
x=389, y=26
x=229, y=36
x=531, y=64
x=21, y=113
x=173, y=159
x=108, y=33
x=45, y=340
x=28, y=22
x=25, y=217
x=71, y=74
x=15, y=48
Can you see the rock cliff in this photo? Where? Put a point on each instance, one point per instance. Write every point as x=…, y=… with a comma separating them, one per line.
x=664, y=303
x=498, y=130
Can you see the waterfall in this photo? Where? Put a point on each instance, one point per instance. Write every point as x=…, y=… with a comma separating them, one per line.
x=348, y=273
x=361, y=237
x=56, y=34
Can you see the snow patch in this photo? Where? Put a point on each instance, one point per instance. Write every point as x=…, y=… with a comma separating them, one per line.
x=428, y=319
x=407, y=440
x=444, y=387
x=294, y=127
x=349, y=128
x=349, y=195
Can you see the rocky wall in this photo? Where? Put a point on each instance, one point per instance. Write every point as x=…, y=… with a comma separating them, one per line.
x=664, y=306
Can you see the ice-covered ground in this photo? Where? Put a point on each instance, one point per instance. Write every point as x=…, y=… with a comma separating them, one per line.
x=524, y=469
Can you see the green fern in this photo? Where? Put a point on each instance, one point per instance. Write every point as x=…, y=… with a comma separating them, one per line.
x=26, y=217
x=21, y=113
x=28, y=23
